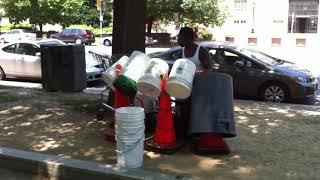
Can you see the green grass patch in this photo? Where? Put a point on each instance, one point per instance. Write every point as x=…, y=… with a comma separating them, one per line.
x=3, y=87
x=89, y=106
x=7, y=98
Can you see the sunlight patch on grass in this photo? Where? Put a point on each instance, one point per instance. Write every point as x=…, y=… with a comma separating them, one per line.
x=244, y=170
x=208, y=164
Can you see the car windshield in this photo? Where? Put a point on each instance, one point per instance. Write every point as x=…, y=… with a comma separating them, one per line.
x=258, y=56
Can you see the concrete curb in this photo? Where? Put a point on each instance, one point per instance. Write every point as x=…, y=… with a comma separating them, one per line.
x=68, y=168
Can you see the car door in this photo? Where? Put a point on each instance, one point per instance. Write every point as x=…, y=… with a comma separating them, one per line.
x=72, y=35
x=249, y=77
x=64, y=35
x=29, y=59
x=8, y=59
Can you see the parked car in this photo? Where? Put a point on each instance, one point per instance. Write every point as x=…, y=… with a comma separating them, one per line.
x=75, y=35
x=17, y=34
x=255, y=74
x=107, y=41
x=23, y=59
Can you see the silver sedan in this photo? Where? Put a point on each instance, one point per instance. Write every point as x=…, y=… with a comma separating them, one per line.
x=23, y=59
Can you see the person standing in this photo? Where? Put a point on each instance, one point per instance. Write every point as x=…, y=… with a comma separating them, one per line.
x=211, y=109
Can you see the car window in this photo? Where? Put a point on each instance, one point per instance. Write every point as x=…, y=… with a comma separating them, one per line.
x=27, y=49
x=89, y=32
x=66, y=31
x=10, y=49
x=74, y=31
x=10, y=32
x=175, y=54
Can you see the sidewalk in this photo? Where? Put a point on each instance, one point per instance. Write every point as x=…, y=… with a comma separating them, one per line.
x=274, y=140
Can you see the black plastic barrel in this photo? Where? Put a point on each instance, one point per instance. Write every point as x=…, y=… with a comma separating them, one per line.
x=63, y=68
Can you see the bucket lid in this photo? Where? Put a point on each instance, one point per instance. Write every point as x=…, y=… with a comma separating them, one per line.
x=178, y=90
x=125, y=85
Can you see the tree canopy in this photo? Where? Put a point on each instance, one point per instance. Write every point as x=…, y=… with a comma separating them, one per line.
x=207, y=12
x=40, y=12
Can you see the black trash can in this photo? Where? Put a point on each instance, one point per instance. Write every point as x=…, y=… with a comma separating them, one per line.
x=63, y=68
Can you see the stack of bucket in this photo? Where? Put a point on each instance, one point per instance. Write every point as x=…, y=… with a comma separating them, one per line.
x=150, y=82
x=136, y=66
x=180, y=80
x=129, y=129
x=111, y=73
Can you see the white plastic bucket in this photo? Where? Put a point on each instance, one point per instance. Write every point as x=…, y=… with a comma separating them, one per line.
x=130, y=156
x=150, y=82
x=110, y=74
x=136, y=66
x=179, y=84
x=129, y=134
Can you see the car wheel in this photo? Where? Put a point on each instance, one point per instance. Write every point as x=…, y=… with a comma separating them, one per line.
x=2, y=74
x=78, y=41
x=275, y=93
x=106, y=42
x=2, y=41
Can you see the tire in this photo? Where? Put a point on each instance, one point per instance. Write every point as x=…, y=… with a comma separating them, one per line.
x=100, y=114
x=78, y=41
x=275, y=93
x=2, y=74
x=2, y=41
x=106, y=42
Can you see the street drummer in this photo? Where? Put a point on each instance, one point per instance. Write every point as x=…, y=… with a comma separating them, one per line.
x=210, y=139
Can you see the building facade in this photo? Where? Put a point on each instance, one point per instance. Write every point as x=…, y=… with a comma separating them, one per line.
x=271, y=23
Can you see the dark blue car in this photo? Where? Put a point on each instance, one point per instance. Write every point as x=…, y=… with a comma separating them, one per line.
x=255, y=74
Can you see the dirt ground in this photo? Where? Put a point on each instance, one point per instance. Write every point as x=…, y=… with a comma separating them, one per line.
x=274, y=141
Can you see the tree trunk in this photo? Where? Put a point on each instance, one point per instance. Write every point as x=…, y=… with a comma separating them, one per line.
x=149, y=22
x=128, y=27
x=40, y=28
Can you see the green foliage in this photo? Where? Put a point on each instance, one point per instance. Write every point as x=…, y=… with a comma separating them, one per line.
x=89, y=15
x=207, y=12
x=40, y=12
x=205, y=34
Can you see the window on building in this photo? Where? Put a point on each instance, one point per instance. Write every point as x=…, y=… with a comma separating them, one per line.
x=303, y=16
x=240, y=5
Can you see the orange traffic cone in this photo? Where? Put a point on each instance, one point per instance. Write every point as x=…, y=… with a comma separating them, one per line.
x=120, y=100
x=211, y=143
x=164, y=140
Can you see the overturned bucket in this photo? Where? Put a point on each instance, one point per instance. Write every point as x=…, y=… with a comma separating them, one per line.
x=137, y=64
x=129, y=134
x=150, y=82
x=179, y=84
x=111, y=73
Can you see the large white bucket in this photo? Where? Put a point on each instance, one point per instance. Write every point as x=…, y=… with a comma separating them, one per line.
x=110, y=74
x=179, y=84
x=136, y=66
x=150, y=82
x=130, y=156
x=129, y=134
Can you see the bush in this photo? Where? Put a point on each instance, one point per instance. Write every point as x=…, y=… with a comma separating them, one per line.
x=26, y=27
x=205, y=35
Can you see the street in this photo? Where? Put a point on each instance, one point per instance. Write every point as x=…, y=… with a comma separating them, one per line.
x=312, y=65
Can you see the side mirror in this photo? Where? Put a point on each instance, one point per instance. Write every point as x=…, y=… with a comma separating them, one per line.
x=248, y=64
x=239, y=64
x=38, y=54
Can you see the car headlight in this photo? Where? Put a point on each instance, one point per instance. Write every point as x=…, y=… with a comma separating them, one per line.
x=300, y=79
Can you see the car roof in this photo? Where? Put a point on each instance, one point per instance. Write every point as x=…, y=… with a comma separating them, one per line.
x=37, y=42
